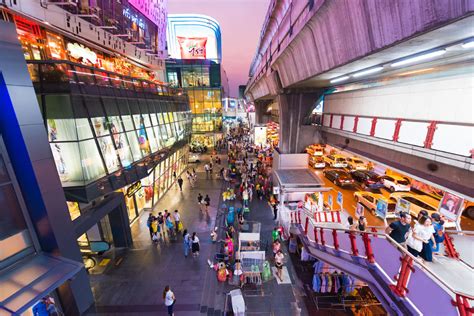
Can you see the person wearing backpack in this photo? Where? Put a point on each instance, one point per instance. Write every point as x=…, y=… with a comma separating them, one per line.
x=438, y=232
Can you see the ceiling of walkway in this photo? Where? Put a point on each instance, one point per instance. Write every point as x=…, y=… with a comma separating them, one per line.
x=447, y=35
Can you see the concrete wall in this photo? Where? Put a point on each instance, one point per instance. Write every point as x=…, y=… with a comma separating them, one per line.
x=447, y=99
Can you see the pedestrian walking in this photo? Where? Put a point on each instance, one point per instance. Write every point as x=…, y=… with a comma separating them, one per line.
x=154, y=228
x=180, y=184
x=438, y=232
x=418, y=241
x=195, y=245
x=279, y=257
x=150, y=220
x=200, y=201
x=207, y=202
x=206, y=168
x=399, y=230
x=170, y=300
x=177, y=222
x=161, y=225
x=186, y=243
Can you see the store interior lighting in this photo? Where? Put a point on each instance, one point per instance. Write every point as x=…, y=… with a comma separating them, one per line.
x=340, y=79
x=367, y=72
x=418, y=58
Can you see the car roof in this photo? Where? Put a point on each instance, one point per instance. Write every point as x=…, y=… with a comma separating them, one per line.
x=423, y=198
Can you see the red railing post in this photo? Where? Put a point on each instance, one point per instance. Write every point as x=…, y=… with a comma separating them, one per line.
x=323, y=242
x=368, y=248
x=342, y=122
x=403, y=276
x=292, y=214
x=356, y=121
x=299, y=217
x=449, y=247
x=372, y=128
x=430, y=134
x=330, y=121
x=396, y=132
x=338, y=214
x=332, y=217
x=306, y=226
x=325, y=216
x=464, y=308
x=319, y=217
x=352, y=237
x=334, y=237
x=315, y=231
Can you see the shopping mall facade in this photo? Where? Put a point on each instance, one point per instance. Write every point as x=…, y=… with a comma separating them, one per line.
x=91, y=137
x=199, y=72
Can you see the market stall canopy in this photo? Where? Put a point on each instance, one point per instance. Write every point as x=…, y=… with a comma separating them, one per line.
x=32, y=279
x=298, y=178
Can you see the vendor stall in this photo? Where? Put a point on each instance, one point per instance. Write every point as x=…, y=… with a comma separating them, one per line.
x=252, y=264
x=249, y=237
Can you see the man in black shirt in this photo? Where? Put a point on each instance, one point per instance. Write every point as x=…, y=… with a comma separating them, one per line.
x=399, y=230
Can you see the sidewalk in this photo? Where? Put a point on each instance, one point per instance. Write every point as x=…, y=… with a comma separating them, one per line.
x=134, y=282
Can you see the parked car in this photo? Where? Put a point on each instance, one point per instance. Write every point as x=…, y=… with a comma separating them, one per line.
x=193, y=158
x=355, y=163
x=396, y=183
x=417, y=202
x=335, y=161
x=315, y=150
x=317, y=162
x=369, y=200
x=368, y=179
x=339, y=177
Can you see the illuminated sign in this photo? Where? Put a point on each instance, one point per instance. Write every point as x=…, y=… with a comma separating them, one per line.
x=134, y=18
x=134, y=188
x=78, y=51
x=192, y=47
x=152, y=9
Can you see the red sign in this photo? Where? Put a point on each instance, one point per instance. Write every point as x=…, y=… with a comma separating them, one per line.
x=192, y=47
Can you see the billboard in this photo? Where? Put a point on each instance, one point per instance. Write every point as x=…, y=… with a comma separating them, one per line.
x=451, y=206
x=192, y=47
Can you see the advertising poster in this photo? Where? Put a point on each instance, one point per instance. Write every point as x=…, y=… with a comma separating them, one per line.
x=339, y=199
x=403, y=206
x=359, y=210
x=192, y=47
x=451, y=206
x=381, y=208
x=260, y=135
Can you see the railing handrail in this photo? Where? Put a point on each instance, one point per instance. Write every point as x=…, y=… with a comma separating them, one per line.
x=404, y=251
x=459, y=232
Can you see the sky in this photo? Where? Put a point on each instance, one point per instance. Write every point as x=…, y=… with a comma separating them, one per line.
x=241, y=22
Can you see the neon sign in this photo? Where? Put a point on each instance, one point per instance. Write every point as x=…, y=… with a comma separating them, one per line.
x=134, y=18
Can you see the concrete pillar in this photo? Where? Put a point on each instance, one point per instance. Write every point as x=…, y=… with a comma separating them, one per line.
x=260, y=111
x=25, y=138
x=293, y=108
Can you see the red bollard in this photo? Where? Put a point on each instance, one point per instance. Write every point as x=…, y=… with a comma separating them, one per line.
x=299, y=217
x=323, y=242
x=368, y=248
x=338, y=216
x=450, y=250
x=352, y=237
x=332, y=217
x=336, y=242
x=306, y=226
x=403, y=276
x=315, y=231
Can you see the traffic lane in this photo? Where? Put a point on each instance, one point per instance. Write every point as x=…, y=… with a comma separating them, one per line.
x=348, y=200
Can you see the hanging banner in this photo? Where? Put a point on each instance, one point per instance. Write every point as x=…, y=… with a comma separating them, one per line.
x=192, y=47
x=381, y=208
x=359, y=210
x=451, y=206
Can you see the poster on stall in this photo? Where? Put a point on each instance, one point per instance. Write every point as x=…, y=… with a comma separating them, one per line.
x=451, y=206
x=359, y=210
x=403, y=206
x=260, y=136
x=330, y=202
x=339, y=199
x=381, y=208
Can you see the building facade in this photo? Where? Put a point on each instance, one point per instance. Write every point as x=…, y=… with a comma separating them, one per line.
x=195, y=65
x=114, y=132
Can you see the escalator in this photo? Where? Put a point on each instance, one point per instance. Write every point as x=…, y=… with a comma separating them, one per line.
x=402, y=283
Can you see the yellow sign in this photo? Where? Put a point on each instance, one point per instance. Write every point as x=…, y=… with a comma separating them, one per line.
x=134, y=188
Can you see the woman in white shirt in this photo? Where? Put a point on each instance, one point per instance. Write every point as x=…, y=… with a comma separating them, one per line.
x=279, y=256
x=421, y=234
x=168, y=297
x=195, y=245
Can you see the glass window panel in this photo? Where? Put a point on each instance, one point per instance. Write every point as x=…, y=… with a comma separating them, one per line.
x=61, y=129
x=123, y=149
x=11, y=216
x=109, y=153
x=143, y=141
x=154, y=120
x=160, y=118
x=115, y=123
x=100, y=126
x=138, y=120
x=127, y=122
x=91, y=162
x=146, y=120
x=102, y=78
x=171, y=117
x=68, y=161
x=152, y=139
x=134, y=145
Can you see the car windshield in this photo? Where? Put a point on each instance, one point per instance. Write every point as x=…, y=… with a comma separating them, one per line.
x=402, y=182
x=343, y=174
